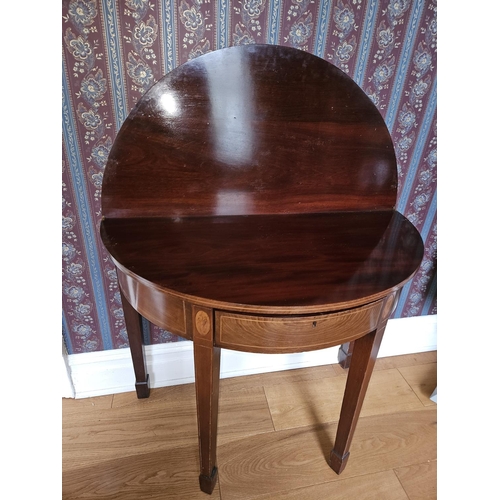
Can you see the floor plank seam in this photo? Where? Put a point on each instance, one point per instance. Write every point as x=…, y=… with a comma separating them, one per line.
x=411, y=387
x=269, y=408
x=402, y=485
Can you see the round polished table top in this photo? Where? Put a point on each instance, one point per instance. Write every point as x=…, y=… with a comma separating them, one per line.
x=258, y=176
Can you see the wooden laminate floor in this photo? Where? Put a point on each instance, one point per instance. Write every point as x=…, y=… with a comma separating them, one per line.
x=275, y=434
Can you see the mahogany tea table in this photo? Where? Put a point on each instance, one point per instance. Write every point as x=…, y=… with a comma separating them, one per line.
x=248, y=204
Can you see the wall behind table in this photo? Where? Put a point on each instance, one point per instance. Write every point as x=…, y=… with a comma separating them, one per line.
x=114, y=50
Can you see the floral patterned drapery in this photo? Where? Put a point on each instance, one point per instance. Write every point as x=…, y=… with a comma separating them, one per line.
x=114, y=50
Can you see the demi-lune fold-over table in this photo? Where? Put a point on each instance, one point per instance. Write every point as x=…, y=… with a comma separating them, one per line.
x=248, y=203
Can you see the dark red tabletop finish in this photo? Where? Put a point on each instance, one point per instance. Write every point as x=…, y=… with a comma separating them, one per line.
x=251, y=130
x=257, y=180
x=308, y=261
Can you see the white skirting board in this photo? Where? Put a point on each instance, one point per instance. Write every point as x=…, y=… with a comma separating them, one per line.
x=111, y=372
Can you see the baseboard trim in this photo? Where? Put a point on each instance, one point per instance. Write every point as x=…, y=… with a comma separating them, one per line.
x=111, y=372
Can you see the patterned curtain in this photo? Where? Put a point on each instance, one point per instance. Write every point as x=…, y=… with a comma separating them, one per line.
x=114, y=50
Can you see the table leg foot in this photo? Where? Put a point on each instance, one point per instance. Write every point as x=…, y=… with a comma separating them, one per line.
x=207, y=484
x=338, y=463
x=142, y=388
